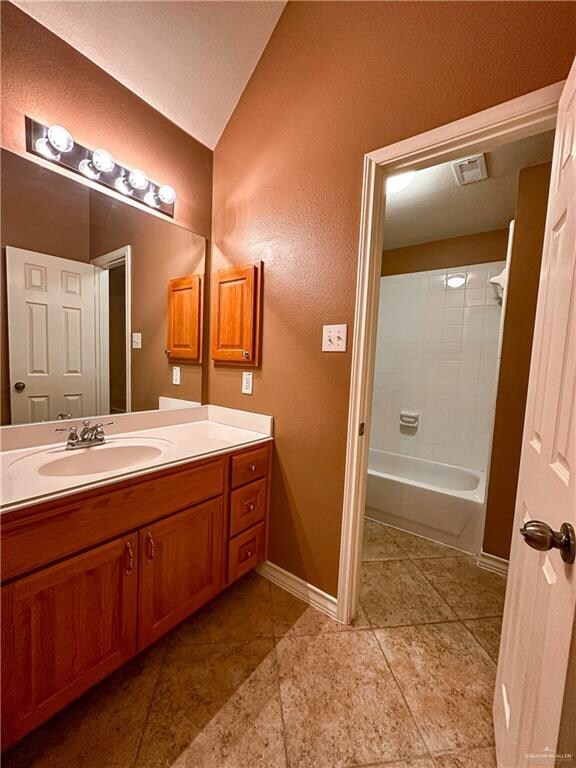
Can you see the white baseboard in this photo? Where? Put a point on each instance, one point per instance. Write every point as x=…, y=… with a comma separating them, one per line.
x=493, y=563
x=299, y=588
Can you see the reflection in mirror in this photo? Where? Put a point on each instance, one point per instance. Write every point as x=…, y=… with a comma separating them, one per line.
x=86, y=280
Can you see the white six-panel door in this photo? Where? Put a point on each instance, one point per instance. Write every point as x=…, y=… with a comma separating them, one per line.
x=540, y=605
x=52, y=340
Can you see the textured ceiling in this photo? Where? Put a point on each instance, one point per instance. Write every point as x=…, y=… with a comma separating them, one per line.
x=434, y=207
x=189, y=60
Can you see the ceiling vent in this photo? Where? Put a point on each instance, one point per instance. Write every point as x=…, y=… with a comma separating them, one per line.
x=470, y=169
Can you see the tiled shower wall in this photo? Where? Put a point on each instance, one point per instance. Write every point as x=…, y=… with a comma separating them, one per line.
x=436, y=354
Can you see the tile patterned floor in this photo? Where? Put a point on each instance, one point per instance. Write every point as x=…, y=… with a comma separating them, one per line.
x=257, y=679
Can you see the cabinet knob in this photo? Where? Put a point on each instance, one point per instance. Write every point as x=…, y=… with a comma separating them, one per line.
x=252, y=467
x=245, y=354
x=251, y=507
x=248, y=553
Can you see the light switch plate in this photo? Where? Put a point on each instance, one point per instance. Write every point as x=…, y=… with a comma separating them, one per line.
x=175, y=374
x=247, y=382
x=136, y=341
x=334, y=338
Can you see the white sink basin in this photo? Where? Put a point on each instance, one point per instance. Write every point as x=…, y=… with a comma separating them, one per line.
x=100, y=458
x=116, y=455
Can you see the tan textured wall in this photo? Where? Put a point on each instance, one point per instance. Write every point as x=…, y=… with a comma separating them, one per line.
x=451, y=252
x=335, y=81
x=523, y=279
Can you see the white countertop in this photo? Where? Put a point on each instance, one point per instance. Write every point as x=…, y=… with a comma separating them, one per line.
x=23, y=485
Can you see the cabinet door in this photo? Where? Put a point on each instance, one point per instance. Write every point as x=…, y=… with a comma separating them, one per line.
x=184, y=318
x=236, y=315
x=181, y=567
x=64, y=628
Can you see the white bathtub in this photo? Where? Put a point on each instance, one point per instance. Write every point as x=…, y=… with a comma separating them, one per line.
x=439, y=501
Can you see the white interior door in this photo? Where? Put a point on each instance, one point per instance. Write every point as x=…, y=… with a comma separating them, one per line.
x=541, y=596
x=52, y=341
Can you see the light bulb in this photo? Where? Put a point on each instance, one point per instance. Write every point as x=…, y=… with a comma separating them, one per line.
x=103, y=160
x=44, y=147
x=399, y=182
x=138, y=179
x=60, y=138
x=121, y=185
x=151, y=198
x=87, y=168
x=456, y=280
x=167, y=194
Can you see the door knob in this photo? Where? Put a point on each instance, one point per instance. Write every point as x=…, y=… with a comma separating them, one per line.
x=539, y=535
x=19, y=386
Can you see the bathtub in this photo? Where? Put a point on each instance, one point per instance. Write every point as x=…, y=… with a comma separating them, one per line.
x=438, y=501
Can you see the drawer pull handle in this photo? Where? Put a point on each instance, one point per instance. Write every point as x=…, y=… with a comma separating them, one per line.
x=251, y=506
x=252, y=467
x=248, y=554
x=151, y=548
x=130, y=559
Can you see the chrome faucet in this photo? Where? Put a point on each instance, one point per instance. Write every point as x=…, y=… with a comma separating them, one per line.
x=90, y=434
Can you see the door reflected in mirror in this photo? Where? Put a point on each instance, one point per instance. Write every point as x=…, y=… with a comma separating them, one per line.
x=86, y=300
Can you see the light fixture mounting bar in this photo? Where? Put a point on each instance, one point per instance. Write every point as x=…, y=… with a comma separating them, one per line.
x=80, y=160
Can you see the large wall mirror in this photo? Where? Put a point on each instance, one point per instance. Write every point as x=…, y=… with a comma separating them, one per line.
x=85, y=284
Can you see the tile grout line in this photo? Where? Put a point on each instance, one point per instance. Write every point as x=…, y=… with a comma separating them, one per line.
x=401, y=691
x=149, y=709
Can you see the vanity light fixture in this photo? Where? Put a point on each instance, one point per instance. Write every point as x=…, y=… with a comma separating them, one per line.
x=56, y=144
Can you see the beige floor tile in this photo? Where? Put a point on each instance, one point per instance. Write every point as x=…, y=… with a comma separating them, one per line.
x=395, y=593
x=242, y=612
x=472, y=592
x=294, y=617
x=215, y=705
x=340, y=703
x=472, y=758
x=417, y=547
x=378, y=544
x=487, y=632
x=448, y=681
x=422, y=762
x=102, y=728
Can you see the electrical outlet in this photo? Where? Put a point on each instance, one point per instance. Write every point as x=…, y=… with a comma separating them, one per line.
x=247, y=383
x=136, y=341
x=334, y=338
x=175, y=374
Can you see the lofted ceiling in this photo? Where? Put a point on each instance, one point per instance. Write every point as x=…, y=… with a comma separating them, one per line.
x=433, y=206
x=189, y=60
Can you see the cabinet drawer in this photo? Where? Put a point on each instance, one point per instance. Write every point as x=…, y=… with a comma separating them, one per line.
x=247, y=506
x=249, y=466
x=246, y=551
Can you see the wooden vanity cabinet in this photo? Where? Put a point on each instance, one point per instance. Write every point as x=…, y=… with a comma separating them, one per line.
x=64, y=629
x=90, y=580
x=181, y=567
x=236, y=314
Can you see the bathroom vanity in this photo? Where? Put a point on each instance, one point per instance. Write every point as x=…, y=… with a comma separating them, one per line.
x=96, y=571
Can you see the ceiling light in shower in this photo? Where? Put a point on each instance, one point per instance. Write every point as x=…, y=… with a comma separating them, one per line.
x=60, y=138
x=399, y=182
x=456, y=280
x=103, y=160
x=138, y=179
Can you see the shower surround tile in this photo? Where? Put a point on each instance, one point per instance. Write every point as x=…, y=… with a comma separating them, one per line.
x=341, y=705
x=395, y=594
x=448, y=681
x=470, y=591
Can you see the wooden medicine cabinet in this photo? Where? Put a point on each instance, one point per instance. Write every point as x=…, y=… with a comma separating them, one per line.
x=184, y=322
x=236, y=314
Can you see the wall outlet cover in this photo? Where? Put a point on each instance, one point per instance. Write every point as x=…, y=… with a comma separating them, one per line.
x=334, y=338
x=136, y=341
x=175, y=374
x=247, y=382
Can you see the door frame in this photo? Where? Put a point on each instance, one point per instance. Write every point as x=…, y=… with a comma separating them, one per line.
x=106, y=262
x=513, y=120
